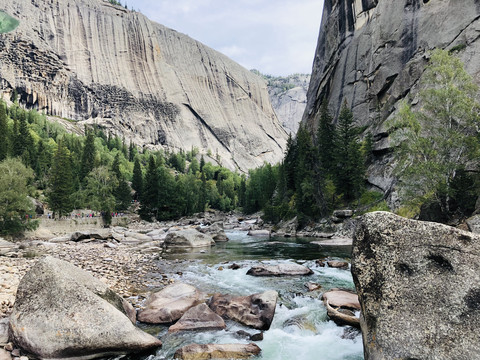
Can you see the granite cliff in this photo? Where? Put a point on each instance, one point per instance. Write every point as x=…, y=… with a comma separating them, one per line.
x=372, y=54
x=288, y=95
x=94, y=62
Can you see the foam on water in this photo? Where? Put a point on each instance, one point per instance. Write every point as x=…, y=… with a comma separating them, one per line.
x=300, y=329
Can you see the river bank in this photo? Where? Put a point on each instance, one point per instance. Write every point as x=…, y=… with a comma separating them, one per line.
x=132, y=260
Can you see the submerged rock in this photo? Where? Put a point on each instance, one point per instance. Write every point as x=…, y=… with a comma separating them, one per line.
x=189, y=238
x=169, y=304
x=217, y=351
x=255, y=310
x=199, y=317
x=62, y=311
x=418, y=284
x=290, y=269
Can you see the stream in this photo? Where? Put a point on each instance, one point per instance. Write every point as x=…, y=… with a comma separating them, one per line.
x=300, y=329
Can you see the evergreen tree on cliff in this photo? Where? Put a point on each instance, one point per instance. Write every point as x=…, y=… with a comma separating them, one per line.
x=61, y=182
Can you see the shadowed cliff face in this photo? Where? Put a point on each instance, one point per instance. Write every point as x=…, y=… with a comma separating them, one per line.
x=372, y=54
x=94, y=62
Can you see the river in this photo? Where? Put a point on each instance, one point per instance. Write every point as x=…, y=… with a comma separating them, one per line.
x=300, y=329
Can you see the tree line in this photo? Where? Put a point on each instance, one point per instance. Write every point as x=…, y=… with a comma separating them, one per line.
x=100, y=172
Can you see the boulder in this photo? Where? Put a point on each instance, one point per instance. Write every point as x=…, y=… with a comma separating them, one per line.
x=473, y=224
x=311, y=286
x=189, y=238
x=137, y=236
x=7, y=247
x=256, y=310
x=199, y=317
x=4, y=331
x=5, y=355
x=341, y=298
x=290, y=269
x=337, y=264
x=342, y=214
x=169, y=304
x=259, y=233
x=217, y=351
x=62, y=311
x=220, y=237
x=418, y=285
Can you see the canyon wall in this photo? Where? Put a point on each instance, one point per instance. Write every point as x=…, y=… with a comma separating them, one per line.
x=97, y=63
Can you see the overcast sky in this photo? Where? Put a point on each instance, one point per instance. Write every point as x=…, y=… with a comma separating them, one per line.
x=277, y=37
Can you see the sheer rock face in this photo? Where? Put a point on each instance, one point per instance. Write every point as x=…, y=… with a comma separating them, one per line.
x=289, y=99
x=372, y=53
x=91, y=61
x=418, y=286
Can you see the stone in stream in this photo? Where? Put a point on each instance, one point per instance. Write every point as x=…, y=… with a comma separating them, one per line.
x=290, y=269
x=217, y=351
x=62, y=311
x=256, y=310
x=311, y=286
x=342, y=298
x=188, y=238
x=169, y=304
x=337, y=264
x=259, y=233
x=419, y=288
x=199, y=317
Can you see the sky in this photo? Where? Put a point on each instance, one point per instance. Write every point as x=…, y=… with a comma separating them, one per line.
x=276, y=37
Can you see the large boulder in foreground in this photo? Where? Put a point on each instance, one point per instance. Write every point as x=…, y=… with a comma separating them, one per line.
x=217, y=351
x=419, y=288
x=290, y=269
x=199, y=317
x=256, y=310
x=188, y=238
x=62, y=311
x=169, y=304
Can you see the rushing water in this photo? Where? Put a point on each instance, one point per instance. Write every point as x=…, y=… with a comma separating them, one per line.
x=300, y=329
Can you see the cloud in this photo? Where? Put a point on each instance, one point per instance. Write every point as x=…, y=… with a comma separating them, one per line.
x=277, y=37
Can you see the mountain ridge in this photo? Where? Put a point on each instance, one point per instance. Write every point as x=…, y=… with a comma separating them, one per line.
x=95, y=62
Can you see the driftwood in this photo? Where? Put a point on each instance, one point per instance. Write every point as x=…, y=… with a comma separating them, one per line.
x=342, y=319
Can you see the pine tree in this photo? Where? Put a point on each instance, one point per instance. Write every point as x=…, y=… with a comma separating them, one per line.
x=131, y=152
x=61, y=182
x=116, y=167
x=325, y=140
x=137, y=179
x=88, y=155
x=149, y=196
x=3, y=132
x=349, y=172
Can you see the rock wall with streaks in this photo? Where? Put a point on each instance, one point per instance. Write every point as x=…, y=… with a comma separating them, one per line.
x=94, y=62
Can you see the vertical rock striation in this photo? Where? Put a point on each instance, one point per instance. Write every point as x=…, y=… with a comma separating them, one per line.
x=372, y=54
x=92, y=61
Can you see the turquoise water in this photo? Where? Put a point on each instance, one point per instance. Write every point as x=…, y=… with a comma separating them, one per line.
x=300, y=329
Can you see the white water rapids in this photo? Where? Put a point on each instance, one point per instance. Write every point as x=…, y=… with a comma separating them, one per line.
x=300, y=329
